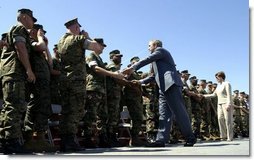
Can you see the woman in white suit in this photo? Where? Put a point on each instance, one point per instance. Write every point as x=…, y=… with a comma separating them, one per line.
x=225, y=106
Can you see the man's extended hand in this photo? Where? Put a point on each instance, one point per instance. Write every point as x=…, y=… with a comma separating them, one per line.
x=128, y=71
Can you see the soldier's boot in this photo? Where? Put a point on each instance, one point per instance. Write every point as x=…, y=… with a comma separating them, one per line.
x=113, y=140
x=29, y=141
x=12, y=146
x=103, y=141
x=137, y=142
x=215, y=137
x=68, y=144
x=42, y=144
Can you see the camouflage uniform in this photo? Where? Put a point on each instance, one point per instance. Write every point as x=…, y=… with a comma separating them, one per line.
x=245, y=119
x=133, y=100
x=238, y=125
x=39, y=105
x=187, y=100
x=55, y=83
x=151, y=105
x=196, y=112
x=13, y=82
x=205, y=115
x=113, y=99
x=96, y=109
x=72, y=84
x=214, y=127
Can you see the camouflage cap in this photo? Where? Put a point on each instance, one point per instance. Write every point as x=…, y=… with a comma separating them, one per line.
x=38, y=26
x=185, y=72
x=236, y=91
x=4, y=35
x=72, y=22
x=136, y=59
x=242, y=92
x=55, y=46
x=203, y=80
x=27, y=12
x=193, y=78
x=100, y=41
x=115, y=53
x=209, y=83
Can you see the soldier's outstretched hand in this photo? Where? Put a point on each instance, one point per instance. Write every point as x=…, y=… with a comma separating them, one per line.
x=128, y=71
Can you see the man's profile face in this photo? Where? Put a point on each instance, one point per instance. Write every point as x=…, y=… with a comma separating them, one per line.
x=151, y=47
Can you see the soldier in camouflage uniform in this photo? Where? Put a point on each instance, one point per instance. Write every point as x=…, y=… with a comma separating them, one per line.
x=96, y=107
x=3, y=43
x=205, y=112
x=133, y=100
x=72, y=47
x=186, y=96
x=245, y=114
x=114, y=90
x=214, y=127
x=238, y=124
x=39, y=104
x=55, y=77
x=151, y=105
x=196, y=108
x=16, y=69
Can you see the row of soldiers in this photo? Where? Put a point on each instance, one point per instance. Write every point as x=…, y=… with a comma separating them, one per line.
x=87, y=89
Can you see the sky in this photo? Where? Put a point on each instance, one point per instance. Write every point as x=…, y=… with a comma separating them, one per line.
x=203, y=36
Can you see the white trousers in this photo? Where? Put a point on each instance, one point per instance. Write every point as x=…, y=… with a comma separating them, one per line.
x=225, y=119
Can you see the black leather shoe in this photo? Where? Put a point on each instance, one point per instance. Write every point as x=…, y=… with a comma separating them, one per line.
x=190, y=142
x=156, y=144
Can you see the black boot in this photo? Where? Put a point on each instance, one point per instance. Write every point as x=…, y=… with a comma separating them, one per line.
x=12, y=146
x=68, y=144
x=103, y=141
x=113, y=141
x=190, y=142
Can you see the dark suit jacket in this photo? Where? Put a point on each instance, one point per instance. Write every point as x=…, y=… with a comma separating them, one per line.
x=165, y=73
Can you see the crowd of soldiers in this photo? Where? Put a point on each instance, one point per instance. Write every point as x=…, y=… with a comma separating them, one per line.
x=89, y=90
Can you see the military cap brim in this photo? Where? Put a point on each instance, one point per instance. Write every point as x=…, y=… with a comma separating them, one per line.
x=28, y=12
x=72, y=22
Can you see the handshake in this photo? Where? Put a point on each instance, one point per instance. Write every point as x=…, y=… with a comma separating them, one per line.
x=123, y=74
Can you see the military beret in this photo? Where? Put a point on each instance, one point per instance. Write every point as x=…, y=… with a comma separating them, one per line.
x=185, y=72
x=215, y=84
x=28, y=12
x=134, y=59
x=100, y=41
x=115, y=53
x=4, y=35
x=242, y=92
x=236, y=91
x=193, y=78
x=38, y=26
x=72, y=22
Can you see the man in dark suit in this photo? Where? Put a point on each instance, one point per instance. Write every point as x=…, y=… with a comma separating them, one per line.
x=170, y=96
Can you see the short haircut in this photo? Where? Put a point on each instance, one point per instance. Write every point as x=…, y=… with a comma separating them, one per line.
x=157, y=42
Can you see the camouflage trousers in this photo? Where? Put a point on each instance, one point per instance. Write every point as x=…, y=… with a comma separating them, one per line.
x=39, y=106
x=113, y=106
x=135, y=108
x=96, y=113
x=196, y=118
x=187, y=103
x=14, y=107
x=238, y=124
x=152, y=117
x=73, y=106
